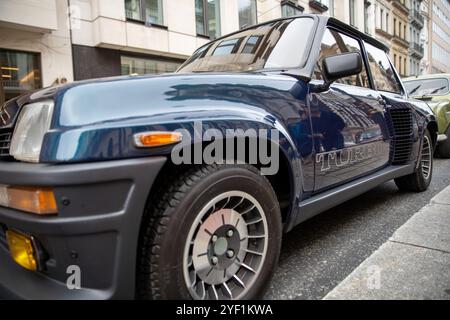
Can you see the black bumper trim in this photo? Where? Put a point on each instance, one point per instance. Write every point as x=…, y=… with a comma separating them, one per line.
x=105, y=243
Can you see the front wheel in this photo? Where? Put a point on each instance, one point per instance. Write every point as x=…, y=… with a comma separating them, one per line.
x=420, y=179
x=213, y=232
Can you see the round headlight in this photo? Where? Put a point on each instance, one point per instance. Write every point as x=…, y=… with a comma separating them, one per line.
x=32, y=125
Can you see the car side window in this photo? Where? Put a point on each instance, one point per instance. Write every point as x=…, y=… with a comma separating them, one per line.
x=334, y=43
x=383, y=73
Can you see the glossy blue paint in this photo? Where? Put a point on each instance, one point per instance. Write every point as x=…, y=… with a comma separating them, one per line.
x=350, y=120
x=96, y=121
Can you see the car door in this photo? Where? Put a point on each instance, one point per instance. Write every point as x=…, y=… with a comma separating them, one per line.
x=351, y=137
x=404, y=133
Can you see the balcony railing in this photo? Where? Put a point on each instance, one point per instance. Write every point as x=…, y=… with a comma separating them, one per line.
x=416, y=50
x=417, y=18
x=419, y=48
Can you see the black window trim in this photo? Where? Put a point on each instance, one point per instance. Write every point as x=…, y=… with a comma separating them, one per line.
x=363, y=53
x=363, y=39
x=397, y=77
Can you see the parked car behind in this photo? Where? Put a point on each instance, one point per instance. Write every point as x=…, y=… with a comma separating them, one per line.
x=89, y=182
x=434, y=90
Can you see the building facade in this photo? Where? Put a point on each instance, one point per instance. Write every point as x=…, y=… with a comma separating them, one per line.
x=400, y=37
x=392, y=27
x=425, y=37
x=439, y=35
x=416, y=47
x=383, y=21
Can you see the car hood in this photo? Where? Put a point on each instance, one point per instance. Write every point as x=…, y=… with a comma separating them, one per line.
x=433, y=102
x=98, y=101
x=11, y=109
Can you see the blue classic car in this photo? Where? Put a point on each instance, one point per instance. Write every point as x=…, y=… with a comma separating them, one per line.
x=127, y=187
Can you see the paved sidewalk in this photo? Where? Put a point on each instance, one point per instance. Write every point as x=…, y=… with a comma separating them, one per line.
x=413, y=264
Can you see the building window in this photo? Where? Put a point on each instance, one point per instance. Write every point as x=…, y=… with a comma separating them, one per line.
x=148, y=11
x=334, y=43
x=395, y=27
x=141, y=66
x=381, y=19
x=19, y=72
x=290, y=9
x=247, y=13
x=207, y=17
x=352, y=13
x=387, y=22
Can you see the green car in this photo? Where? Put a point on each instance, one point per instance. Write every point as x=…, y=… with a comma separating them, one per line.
x=434, y=89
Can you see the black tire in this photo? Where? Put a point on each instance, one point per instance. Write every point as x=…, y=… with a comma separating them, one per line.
x=444, y=147
x=172, y=211
x=420, y=179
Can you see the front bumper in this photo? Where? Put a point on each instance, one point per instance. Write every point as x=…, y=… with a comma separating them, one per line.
x=100, y=209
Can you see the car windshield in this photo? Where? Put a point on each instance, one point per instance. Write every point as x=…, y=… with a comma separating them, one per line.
x=419, y=88
x=279, y=44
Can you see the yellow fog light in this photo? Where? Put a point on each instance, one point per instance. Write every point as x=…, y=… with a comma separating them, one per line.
x=35, y=200
x=22, y=250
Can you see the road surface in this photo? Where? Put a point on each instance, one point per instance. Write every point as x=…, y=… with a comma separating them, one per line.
x=320, y=253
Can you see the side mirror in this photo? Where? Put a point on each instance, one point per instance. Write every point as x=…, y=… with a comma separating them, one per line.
x=340, y=66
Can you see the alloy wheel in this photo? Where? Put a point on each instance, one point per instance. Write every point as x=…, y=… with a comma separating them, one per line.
x=226, y=247
x=427, y=158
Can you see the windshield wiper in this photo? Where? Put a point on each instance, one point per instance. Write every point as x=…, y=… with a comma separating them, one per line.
x=415, y=89
x=437, y=90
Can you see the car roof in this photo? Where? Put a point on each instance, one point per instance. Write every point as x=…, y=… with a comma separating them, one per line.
x=329, y=20
x=428, y=76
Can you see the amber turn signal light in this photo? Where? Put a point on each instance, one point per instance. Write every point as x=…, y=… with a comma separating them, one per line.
x=34, y=200
x=156, y=139
x=22, y=250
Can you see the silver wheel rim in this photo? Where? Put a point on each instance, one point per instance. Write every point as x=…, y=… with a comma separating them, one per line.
x=226, y=247
x=427, y=158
